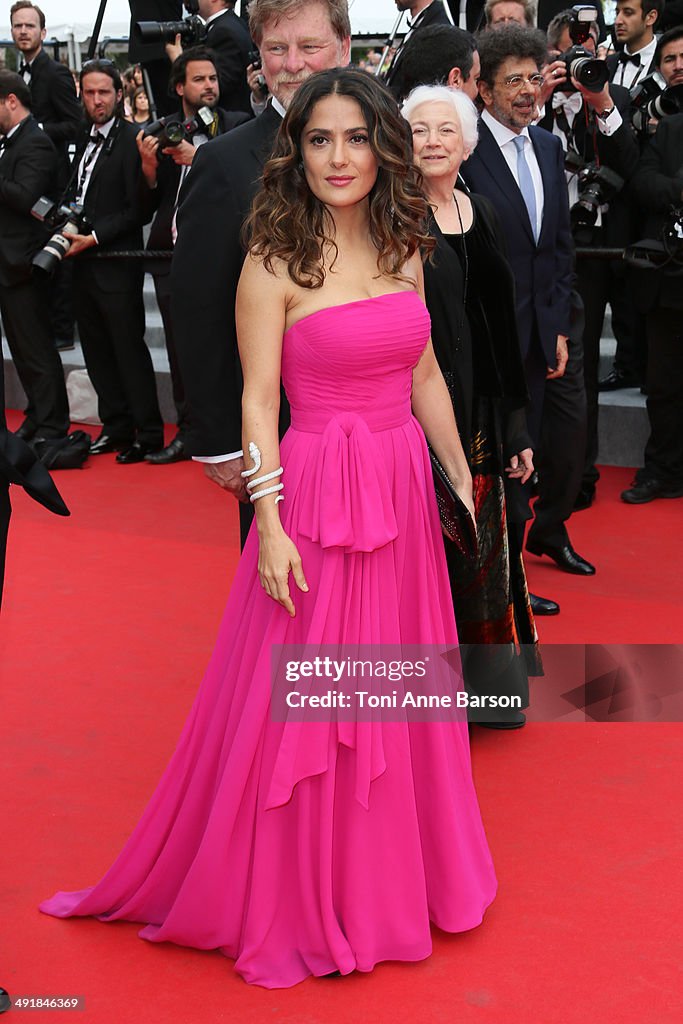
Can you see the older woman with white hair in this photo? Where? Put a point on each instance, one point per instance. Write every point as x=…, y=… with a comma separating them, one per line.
x=470, y=296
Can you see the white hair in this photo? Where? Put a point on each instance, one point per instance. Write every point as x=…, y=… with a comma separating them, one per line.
x=462, y=106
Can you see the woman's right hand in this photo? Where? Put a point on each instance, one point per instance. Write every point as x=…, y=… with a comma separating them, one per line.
x=278, y=556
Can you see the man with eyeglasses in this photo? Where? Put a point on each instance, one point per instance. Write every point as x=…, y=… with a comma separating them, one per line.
x=520, y=168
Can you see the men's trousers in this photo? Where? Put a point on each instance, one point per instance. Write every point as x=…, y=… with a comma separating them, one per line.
x=26, y=319
x=162, y=287
x=664, y=449
x=111, y=326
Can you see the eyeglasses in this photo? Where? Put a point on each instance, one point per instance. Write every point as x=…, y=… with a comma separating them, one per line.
x=515, y=82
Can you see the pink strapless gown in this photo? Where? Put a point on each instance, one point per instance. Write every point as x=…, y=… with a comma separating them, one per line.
x=301, y=849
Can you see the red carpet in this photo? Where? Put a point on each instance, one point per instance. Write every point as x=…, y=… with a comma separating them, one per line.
x=108, y=621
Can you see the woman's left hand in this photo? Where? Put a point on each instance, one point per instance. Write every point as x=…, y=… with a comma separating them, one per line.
x=521, y=466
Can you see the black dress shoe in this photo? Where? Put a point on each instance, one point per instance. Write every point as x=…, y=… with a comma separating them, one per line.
x=136, y=453
x=105, y=444
x=510, y=719
x=584, y=499
x=564, y=556
x=543, y=606
x=26, y=431
x=617, y=379
x=642, y=491
x=173, y=452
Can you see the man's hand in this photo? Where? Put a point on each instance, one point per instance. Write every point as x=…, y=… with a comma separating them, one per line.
x=595, y=100
x=173, y=50
x=228, y=475
x=521, y=466
x=254, y=81
x=562, y=355
x=182, y=154
x=148, y=149
x=554, y=75
x=79, y=243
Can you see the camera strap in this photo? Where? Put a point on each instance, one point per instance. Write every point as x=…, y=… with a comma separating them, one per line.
x=87, y=162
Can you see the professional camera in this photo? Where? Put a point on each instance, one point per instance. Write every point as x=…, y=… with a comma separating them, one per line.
x=665, y=254
x=191, y=30
x=652, y=99
x=171, y=132
x=254, y=59
x=580, y=63
x=597, y=186
x=65, y=220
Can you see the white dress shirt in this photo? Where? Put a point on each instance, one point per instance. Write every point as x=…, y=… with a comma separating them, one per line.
x=629, y=74
x=87, y=163
x=505, y=137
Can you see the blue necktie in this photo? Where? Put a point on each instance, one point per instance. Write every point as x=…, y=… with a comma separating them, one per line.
x=526, y=184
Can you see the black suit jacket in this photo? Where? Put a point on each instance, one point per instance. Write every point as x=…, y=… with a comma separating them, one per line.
x=55, y=105
x=435, y=14
x=207, y=261
x=619, y=152
x=28, y=168
x=657, y=186
x=159, y=203
x=613, y=64
x=112, y=204
x=229, y=38
x=543, y=270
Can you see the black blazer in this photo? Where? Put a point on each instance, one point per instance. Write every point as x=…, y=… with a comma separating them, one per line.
x=657, y=185
x=619, y=152
x=55, y=105
x=435, y=14
x=112, y=204
x=207, y=261
x=28, y=167
x=613, y=63
x=229, y=38
x=159, y=203
x=543, y=270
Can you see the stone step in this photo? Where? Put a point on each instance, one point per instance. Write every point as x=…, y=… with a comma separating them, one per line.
x=623, y=423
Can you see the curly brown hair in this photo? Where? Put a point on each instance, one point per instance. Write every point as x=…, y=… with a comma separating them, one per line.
x=288, y=222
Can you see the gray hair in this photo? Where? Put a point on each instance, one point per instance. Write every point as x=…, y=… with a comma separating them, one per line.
x=462, y=106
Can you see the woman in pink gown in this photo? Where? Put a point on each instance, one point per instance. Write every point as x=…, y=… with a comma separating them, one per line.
x=295, y=847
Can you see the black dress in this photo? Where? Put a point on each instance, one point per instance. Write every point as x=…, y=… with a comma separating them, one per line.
x=470, y=295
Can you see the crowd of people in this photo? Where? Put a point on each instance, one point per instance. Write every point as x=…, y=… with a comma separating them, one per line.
x=313, y=211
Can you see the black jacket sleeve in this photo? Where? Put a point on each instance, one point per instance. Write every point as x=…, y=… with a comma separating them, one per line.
x=67, y=110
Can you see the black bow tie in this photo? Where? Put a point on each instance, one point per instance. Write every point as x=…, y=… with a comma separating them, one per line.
x=629, y=58
x=97, y=138
x=24, y=67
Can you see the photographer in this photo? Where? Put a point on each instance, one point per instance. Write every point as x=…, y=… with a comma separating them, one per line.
x=601, y=154
x=634, y=27
x=229, y=38
x=108, y=293
x=28, y=169
x=194, y=81
x=658, y=187
x=669, y=56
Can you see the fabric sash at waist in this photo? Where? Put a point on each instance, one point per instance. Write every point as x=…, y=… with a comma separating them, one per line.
x=315, y=421
x=346, y=499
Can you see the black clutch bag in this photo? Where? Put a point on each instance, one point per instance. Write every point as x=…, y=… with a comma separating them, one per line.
x=454, y=514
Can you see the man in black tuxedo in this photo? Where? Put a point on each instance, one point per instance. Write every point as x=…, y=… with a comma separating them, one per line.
x=441, y=55
x=634, y=28
x=228, y=36
x=54, y=102
x=423, y=13
x=594, y=127
x=521, y=170
x=658, y=186
x=28, y=168
x=194, y=80
x=55, y=106
x=109, y=306
x=295, y=38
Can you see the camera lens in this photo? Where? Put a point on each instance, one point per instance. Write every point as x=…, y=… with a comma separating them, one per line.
x=591, y=73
